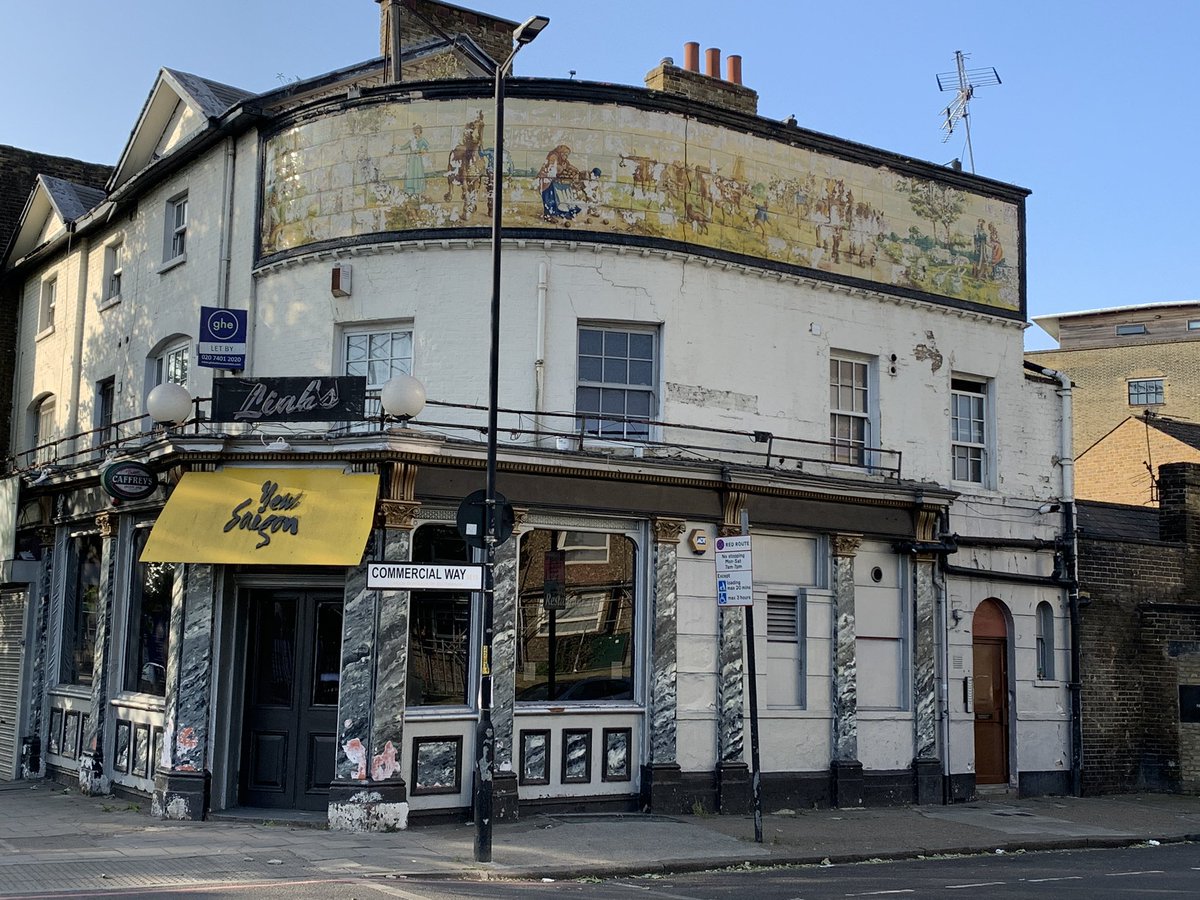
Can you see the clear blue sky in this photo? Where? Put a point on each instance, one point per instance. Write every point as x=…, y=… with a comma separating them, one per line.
x=1091, y=91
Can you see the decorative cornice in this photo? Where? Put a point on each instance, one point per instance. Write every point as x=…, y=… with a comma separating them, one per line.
x=845, y=545
x=927, y=524
x=733, y=501
x=667, y=531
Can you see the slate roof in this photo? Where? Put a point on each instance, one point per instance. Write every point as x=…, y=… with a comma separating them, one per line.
x=1117, y=521
x=72, y=201
x=1184, y=432
x=212, y=96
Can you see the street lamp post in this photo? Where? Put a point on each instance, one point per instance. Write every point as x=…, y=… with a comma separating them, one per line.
x=485, y=735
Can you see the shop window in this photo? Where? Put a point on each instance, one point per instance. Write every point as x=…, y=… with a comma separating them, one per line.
x=81, y=610
x=149, y=624
x=439, y=625
x=575, y=622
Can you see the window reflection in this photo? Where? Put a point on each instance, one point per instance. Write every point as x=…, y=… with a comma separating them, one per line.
x=80, y=617
x=575, y=616
x=149, y=622
x=439, y=625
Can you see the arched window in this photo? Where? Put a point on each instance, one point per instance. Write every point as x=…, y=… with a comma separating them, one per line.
x=42, y=428
x=1045, y=642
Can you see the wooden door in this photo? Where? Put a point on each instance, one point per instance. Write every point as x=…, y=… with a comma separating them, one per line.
x=991, y=710
x=290, y=724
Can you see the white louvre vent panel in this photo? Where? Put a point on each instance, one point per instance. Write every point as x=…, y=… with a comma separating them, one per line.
x=782, y=619
x=12, y=625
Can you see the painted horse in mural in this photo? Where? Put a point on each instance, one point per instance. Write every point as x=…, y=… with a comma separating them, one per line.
x=467, y=168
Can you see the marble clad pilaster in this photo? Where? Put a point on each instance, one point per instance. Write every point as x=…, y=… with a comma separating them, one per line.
x=354, y=688
x=663, y=691
x=180, y=781
x=92, y=778
x=845, y=677
x=391, y=667
x=42, y=593
x=504, y=651
x=924, y=670
x=730, y=681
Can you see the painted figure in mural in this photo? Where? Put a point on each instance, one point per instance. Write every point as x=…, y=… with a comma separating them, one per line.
x=466, y=167
x=418, y=151
x=997, y=252
x=560, y=184
x=982, y=252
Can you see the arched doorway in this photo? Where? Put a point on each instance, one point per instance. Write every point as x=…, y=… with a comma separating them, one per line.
x=989, y=629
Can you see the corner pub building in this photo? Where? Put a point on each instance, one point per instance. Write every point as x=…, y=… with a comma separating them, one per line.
x=705, y=313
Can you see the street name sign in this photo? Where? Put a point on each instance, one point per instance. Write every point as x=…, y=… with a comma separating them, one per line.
x=382, y=576
x=735, y=579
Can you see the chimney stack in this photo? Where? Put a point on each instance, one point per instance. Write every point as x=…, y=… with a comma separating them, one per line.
x=691, y=56
x=708, y=86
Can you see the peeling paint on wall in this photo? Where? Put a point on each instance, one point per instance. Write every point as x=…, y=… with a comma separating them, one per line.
x=357, y=754
x=696, y=395
x=385, y=764
x=929, y=352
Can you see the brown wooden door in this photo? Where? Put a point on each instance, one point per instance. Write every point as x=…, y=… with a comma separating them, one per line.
x=991, y=710
x=290, y=726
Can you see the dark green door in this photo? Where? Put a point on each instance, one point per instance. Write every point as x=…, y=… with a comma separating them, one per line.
x=290, y=725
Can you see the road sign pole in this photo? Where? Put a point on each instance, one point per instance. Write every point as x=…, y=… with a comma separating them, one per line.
x=755, y=768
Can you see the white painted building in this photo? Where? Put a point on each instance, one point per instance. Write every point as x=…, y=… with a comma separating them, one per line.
x=706, y=315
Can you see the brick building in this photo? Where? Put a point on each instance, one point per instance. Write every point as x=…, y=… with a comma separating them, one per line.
x=1125, y=360
x=1140, y=639
x=1121, y=466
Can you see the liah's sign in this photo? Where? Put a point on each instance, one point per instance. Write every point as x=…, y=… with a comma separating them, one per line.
x=267, y=516
x=292, y=399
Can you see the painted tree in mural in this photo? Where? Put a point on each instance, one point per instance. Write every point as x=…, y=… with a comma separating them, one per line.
x=940, y=204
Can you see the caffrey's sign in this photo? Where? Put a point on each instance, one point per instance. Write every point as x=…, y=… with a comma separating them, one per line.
x=293, y=517
x=128, y=480
x=337, y=399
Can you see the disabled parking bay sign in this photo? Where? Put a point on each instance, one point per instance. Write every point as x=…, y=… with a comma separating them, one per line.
x=735, y=580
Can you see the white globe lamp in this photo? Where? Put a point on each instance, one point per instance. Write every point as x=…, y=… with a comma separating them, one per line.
x=403, y=397
x=169, y=404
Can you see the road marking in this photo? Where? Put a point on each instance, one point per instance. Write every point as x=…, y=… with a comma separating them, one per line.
x=395, y=891
x=880, y=893
x=954, y=887
x=1062, y=878
x=1145, y=872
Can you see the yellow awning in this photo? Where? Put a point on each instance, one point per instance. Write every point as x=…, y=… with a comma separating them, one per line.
x=279, y=517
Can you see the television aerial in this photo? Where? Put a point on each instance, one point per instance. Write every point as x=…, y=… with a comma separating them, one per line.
x=963, y=82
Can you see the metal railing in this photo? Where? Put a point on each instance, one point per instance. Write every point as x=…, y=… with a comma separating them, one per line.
x=521, y=429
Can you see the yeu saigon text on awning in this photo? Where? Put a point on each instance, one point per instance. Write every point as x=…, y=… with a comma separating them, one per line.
x=251, y=516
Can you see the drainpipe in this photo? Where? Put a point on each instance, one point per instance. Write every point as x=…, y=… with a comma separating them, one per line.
x=223, y=272
x=539, y=364
x=1071, y=572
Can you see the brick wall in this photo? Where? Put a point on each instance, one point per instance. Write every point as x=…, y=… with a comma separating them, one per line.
x=1139, y=639
x=18, y=170
x=702, y=88
x=1115, y=469
x=1100, y=376
x=421, y=20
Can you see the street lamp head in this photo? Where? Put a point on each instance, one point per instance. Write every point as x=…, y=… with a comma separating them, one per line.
x=169, y=403
x=529, y=29
x=403, y=397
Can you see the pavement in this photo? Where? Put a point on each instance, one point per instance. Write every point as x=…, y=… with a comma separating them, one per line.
x=55, y=839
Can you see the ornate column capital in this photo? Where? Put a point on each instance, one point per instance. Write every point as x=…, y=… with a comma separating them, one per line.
x=927, y=524
x=398, y=513
x=845, y=544
x=106, y=523
x=520, y=519
x=397, y=506
x=46, y=535
x=667, y=531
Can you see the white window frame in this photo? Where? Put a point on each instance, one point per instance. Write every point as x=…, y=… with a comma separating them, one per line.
x=167, y=364
x=963, y=445
x=395, y=363
x=110, y=291
x=1160, y=393
x=608, y=429
x=583, y=548
x=47, y=304
x=175, y=227
x=105, y=431
x=780, y=645
x=845, y=420
x=44, y=428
